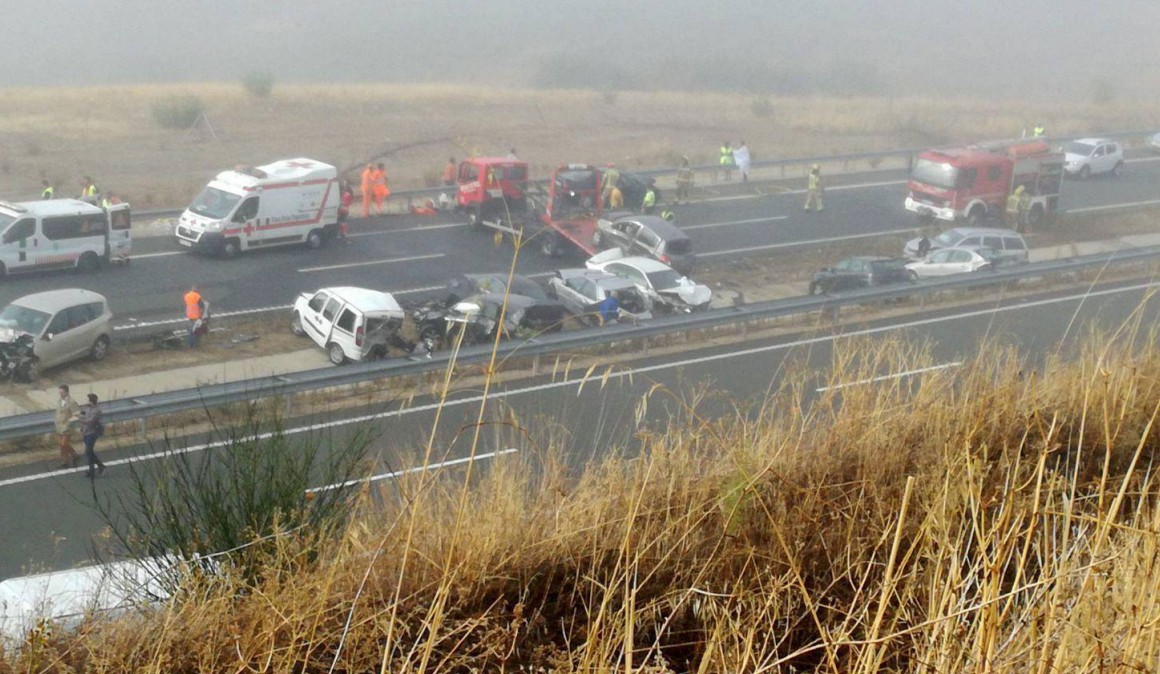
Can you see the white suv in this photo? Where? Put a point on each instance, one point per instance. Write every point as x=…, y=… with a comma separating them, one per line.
x=1087, y=157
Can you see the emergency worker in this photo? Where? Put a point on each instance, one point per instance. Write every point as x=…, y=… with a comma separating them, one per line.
x=649, y=203
x=47, y=192
x=815, y=189
x=725, y=158
x=449, y=172
x=684, y=180
x=89, y=189
x=194, y=310
x=611, y=179
x=615, y=198
x=368, y=189
x=1040, y=131
x=381, y=190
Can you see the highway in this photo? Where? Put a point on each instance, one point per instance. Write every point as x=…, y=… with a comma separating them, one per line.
x=410, y=255
x=48, y=522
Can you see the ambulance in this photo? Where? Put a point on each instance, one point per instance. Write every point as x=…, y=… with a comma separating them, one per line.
x=62, y=234
x=293, y=201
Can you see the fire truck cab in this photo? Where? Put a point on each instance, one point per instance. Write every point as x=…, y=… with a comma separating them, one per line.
x=974, y=183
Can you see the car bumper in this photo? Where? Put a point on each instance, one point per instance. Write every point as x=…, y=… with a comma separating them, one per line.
x=929, y=210
x=208, y=242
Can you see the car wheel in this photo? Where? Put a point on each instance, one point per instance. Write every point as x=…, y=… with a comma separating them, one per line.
x=100, y=348
x=31, y=372
x=335, y=353
x=911, y=275
x=976, y=216
x=1118, y=169
x=296, y=325
x=1085, y=173
x=314, y=239
x=1035, y=215
x=231, y=248
x=550, y=244
x=89, y=263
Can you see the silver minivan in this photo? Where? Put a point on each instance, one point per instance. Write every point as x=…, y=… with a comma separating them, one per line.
x=66, y=325
x=1009, y=245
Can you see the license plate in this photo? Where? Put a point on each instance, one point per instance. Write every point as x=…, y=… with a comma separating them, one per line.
x=187, y=244
x=923, y=210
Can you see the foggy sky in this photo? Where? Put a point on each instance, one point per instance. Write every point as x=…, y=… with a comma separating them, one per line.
x=1043, y=49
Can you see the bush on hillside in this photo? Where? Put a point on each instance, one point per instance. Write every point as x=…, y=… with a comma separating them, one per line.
x=178, y=112
x=258, y=84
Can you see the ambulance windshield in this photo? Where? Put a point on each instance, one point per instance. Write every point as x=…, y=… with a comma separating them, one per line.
x=214, y=203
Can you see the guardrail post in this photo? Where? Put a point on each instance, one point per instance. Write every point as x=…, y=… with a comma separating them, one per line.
x=535, y=366
x=141, y=426
x=289, y=406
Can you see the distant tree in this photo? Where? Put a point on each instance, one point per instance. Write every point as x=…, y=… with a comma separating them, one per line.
x=258, y=84
x=178, y=112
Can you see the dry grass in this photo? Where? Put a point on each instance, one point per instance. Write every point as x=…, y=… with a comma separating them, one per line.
x=108, y=132
x=993, y=519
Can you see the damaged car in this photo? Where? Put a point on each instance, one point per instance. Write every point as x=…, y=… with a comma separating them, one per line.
x=665, y=287
x=350, y=324
x=581, y=291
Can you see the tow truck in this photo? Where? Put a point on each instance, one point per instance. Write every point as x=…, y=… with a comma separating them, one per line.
x=975, y=182
x=560, y=217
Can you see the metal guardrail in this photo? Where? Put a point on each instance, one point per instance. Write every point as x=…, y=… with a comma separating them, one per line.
x=142, y=407
x=411, y=195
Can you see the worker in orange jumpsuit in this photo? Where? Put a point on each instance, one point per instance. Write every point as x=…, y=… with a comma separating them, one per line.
x=381, y=190
x=449, y=172
x=368, y=189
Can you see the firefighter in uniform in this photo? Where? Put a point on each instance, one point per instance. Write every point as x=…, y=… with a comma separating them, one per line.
x=1040, y=131
x=815, y=189
x=649, y=203
x=726, y=160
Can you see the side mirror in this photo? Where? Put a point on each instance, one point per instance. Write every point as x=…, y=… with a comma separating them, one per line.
x=48, y=337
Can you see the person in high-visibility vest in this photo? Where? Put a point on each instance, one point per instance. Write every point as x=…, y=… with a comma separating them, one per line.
x=89, y=189
x=615, y=198
x=47, y=192
x=194, y=309
x=1040, y=131
x=611, y=179
x=649, y=203
x=449, y=172
x=368, y=189
x=726, y=159
x=684, y=180
x=381, y=190
x=814, y=189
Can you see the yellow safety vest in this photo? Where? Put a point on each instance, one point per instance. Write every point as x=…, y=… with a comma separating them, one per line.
x=1040, y=131
x=47, y=193
x=815, y=181
x=726, y=155
x=90, y=191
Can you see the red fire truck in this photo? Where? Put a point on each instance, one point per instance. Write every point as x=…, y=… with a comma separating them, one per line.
x=974, y=182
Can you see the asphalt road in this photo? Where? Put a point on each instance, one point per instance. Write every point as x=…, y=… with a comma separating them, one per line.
x=412, y=254
x=47, y=521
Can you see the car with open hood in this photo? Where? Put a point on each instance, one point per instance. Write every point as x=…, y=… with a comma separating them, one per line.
x=667, y=288
x=582, y=290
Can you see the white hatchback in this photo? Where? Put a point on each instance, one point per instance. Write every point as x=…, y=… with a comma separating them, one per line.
x=1087, y=157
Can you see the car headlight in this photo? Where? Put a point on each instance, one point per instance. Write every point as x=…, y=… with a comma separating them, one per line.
x=215, y=226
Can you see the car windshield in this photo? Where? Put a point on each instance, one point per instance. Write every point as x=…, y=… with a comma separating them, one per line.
x=937, y=174
x=23, y=319
x=6, y=220
x=947, y=238
x=1075, y=147
x=663, y=279
x=214, y=203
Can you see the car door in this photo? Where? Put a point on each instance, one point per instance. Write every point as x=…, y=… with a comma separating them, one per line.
x=633, y=274
x=647, y=243
x=623, y=234
x=79, y=338
x=19, y=242
x=1014, y=249
x=346, y=323
x=312, y=321
x=247, y=217
x=839, y=278
x=935, y=263
x=50, y=347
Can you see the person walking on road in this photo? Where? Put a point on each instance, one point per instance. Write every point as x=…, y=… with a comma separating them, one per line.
x=741, y=158
x=449, y=173
x=368, y=189
x=194, y=312
x=47, y=191
x=67, y=411
x=726, y=160
x=379, y=177
x=345, y=200
x=611, y=179
x=684, y=181
x=92, y=427
x=815, y=190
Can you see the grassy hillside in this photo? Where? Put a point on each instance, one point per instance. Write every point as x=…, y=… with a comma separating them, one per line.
x=112, y=133
x=996, y=518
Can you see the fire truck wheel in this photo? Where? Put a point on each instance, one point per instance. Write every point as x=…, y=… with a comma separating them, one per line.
x=314, y=239
x=230, y=249
x=89, y=262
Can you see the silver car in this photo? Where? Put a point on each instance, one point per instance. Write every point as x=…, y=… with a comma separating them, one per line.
x=1009, y=246
x=948, y=261
x=66, y=325
x=582, y=290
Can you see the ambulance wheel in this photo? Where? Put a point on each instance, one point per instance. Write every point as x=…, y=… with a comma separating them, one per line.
x=314, y=239
x=335, y=354
x=89, y=263
x=231, y=248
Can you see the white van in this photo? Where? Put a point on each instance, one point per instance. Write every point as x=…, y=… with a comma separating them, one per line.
x=62, y=233
x=352, y=324
x=289, y=201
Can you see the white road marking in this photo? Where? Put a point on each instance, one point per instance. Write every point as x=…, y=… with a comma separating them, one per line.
x=371, y=263
x=627, y=373
x=1131, y=204
x=165, y=254
x=794, y=244
x=885, y=377
x=416, y=469
x=1139, y=160
x=734, y=222
x=420, y=228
